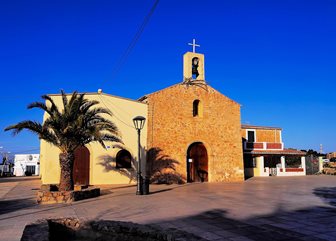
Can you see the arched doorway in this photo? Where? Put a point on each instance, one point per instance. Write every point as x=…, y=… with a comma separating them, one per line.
x=81, y=171
x=197, y=163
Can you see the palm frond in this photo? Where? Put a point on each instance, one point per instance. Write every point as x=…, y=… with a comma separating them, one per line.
x=53, y=107
x=64, y=98
x=32, y=126
x=40, y=105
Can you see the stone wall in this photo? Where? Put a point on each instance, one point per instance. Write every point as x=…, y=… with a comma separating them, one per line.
x=74, y=229
x=50, y=197
x=173, y=128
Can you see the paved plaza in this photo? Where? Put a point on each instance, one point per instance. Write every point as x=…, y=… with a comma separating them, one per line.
x=274, y=208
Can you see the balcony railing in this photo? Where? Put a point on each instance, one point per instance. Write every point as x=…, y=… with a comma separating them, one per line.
x=263, y=146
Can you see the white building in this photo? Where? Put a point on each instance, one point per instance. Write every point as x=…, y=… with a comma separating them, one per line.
x=26, y=164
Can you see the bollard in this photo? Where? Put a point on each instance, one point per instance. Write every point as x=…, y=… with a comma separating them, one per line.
x=145, y=186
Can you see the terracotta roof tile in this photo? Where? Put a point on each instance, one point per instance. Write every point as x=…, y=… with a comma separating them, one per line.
x=277, y=152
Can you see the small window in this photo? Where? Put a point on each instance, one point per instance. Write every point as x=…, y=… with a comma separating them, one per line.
x=123, y=159
x=250, y=136
x=197, y=108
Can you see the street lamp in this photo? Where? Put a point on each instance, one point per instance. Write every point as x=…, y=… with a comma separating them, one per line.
x=139, y=123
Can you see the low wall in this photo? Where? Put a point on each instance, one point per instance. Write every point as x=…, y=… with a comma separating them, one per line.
x=50, y=197
x=74, y=229
x=291, y=172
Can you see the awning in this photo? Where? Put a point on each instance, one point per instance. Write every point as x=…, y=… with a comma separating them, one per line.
x=277, y=152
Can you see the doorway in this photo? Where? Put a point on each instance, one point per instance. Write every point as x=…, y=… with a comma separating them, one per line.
x=197, y=163
x=81, y=171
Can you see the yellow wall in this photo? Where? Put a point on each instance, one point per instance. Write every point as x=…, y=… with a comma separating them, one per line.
x=102, y=165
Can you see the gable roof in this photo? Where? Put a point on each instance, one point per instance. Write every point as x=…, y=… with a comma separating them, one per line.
x=143, y=98
x=95, y=93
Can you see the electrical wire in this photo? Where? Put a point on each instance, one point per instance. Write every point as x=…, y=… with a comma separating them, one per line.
x=16, y=152
x=100, y=97
x=135, y=39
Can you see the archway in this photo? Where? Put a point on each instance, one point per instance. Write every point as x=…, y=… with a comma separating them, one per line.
x=123, y=159
x=81, y=170
x=197, y=163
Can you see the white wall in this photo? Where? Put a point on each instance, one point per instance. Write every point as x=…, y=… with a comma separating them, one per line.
x=21, y=161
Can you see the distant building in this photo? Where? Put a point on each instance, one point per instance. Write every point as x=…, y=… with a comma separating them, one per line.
x=265, y=155
x=331, y=155
x=26, y=164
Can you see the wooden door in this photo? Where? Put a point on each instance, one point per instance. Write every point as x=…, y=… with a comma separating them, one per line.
x=81, y=172
x=197, y=163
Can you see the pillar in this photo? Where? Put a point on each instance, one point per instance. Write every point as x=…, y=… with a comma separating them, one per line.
x=303, y=164
x=320, y=164
x=283, y=164
x=260, y=165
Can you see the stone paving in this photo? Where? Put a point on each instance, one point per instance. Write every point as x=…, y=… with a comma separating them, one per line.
x=275, y=208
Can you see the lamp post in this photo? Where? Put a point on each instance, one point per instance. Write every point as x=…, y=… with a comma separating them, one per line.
x=139, y=123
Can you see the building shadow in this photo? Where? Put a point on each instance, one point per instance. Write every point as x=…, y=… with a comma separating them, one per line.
x=161, y=168
x=19, y=179
x=327, y=194
x=316, y=223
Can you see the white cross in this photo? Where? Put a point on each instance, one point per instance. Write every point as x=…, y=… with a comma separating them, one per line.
x=194, y=45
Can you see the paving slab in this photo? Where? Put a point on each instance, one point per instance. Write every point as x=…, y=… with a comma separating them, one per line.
x=275, y=208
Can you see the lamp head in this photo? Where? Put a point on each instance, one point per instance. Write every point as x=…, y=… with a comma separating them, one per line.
x=139, y=122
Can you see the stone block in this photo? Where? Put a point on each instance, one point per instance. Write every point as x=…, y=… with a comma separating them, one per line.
x=47, y=197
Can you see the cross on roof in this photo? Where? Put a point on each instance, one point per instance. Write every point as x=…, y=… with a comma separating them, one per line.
x=194, y=45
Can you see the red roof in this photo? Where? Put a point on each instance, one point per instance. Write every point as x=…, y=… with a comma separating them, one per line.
x=243, y=126
x=277, y=152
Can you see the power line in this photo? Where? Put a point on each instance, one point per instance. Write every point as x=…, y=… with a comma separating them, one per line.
x=16, y=152
x=114, y=114
x=117, y=107
x=135, y=39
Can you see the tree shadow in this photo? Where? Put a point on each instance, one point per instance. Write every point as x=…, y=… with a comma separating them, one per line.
x=161, y=168
x=109, y=164
x=327, y=194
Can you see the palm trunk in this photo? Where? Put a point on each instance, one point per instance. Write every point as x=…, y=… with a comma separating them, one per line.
x=66, y=179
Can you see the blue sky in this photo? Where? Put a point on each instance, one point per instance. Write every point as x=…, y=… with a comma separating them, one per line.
x=276, y=58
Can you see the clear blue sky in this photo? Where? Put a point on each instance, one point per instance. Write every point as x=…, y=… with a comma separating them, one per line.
x=276, y=58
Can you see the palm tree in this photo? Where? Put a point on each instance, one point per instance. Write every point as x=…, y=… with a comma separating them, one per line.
x=78, y=123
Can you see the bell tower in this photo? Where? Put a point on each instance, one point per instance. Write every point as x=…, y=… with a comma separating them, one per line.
x=193, y=65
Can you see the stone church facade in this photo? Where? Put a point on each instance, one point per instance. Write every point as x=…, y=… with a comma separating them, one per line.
x=197, y=127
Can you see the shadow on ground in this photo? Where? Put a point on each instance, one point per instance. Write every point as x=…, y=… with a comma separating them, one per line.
x=18, y=179
x=8, y=206
x=317, y=223
x=327, y=194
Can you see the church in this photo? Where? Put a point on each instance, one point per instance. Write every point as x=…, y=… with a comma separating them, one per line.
x=192, y=131
x=197, y=126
